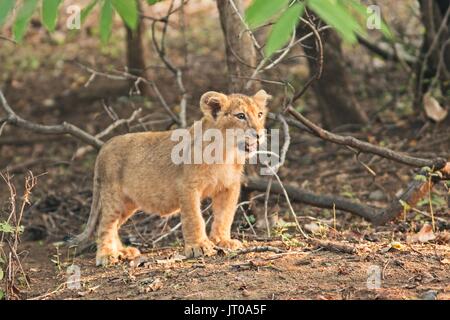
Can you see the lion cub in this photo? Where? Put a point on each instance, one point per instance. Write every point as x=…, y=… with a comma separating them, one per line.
x=136, y=171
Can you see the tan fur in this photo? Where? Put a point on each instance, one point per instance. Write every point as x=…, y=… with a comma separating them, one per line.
x=135, y=172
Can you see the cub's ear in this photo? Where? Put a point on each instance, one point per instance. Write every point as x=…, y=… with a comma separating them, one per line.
x=261, y=98
x=212, y=102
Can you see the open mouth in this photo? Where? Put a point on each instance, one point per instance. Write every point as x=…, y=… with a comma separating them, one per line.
x=251, y=147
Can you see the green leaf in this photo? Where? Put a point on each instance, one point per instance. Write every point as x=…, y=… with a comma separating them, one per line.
x=421, y=178
x=260, y=11
x=87, y=10
x=338, y=17
x=127, y=9
x=282, y=30
x=49, y=13
x=405, y=205
x=1, y=278
x=6, y=227
x=152, y=2
x=5, y=7
x=106, y=16
x=23, y=18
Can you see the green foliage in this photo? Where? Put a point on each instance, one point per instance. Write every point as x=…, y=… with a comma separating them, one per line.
x=420, y=177
x=436, y=201
x=280, y=34
x=106, y=16
x=5, y=7
x=338, y=16
x=87, y=10
x=152, y=2
x=260, y=11
x=347, y=17
x=23, y=18
x=5, y=227
x=406, y=207
x=127, y=9
x=50, y=13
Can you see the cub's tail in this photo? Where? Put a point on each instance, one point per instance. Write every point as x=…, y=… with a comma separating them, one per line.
x=83, y=238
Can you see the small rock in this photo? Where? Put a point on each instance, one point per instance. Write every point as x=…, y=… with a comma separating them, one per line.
x=245, y=293
x=376, y=195
x=49, y=102
x=429, y=295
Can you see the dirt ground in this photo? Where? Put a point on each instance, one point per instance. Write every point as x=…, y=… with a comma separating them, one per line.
x=42, y=86
x=415, y=272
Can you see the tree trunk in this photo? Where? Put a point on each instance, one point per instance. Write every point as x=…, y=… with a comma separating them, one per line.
x=240, y=52
x=336, y=100
x=136, y=53
x=434, y=59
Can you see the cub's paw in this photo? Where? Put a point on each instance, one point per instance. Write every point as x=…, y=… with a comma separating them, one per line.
x=129, y=253
x=106, y=259
x=198, y=249
x=230, y=244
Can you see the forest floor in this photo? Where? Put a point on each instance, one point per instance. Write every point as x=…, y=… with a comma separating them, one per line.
x=41, y=86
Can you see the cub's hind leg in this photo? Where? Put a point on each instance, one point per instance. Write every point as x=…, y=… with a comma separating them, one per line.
x=108, y=242
x=109, y=245
x=125, y=252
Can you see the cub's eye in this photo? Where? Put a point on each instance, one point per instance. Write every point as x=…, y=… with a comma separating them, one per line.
x=240, y=116
x=260, y=115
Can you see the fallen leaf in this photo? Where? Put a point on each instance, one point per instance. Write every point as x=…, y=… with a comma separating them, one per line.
x=443, y=237
x=424, y=235
x=312, y=227
x=88, y=291
x=175, y=258
x=396, y=245
x=433, y=109
x=393, y=246
x=156, y=285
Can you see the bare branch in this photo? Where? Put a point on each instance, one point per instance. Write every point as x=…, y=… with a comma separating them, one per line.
x=366, y=147
x=122, y=75
x=177, y=72
x=64, y=128
x=8, y=39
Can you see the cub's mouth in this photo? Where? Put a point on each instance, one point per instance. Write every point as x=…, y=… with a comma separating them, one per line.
x=251, y=147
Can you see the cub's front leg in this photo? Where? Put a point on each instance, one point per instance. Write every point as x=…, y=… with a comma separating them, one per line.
x=224, y=208
x=196, y=242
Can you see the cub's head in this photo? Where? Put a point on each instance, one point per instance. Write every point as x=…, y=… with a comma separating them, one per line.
x=238, y=111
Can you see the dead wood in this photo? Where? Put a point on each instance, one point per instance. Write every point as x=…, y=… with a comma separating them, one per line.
x=260, y=249
x=310, y=198
x=64, y=128
x=415, y=191
x=333, y=246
